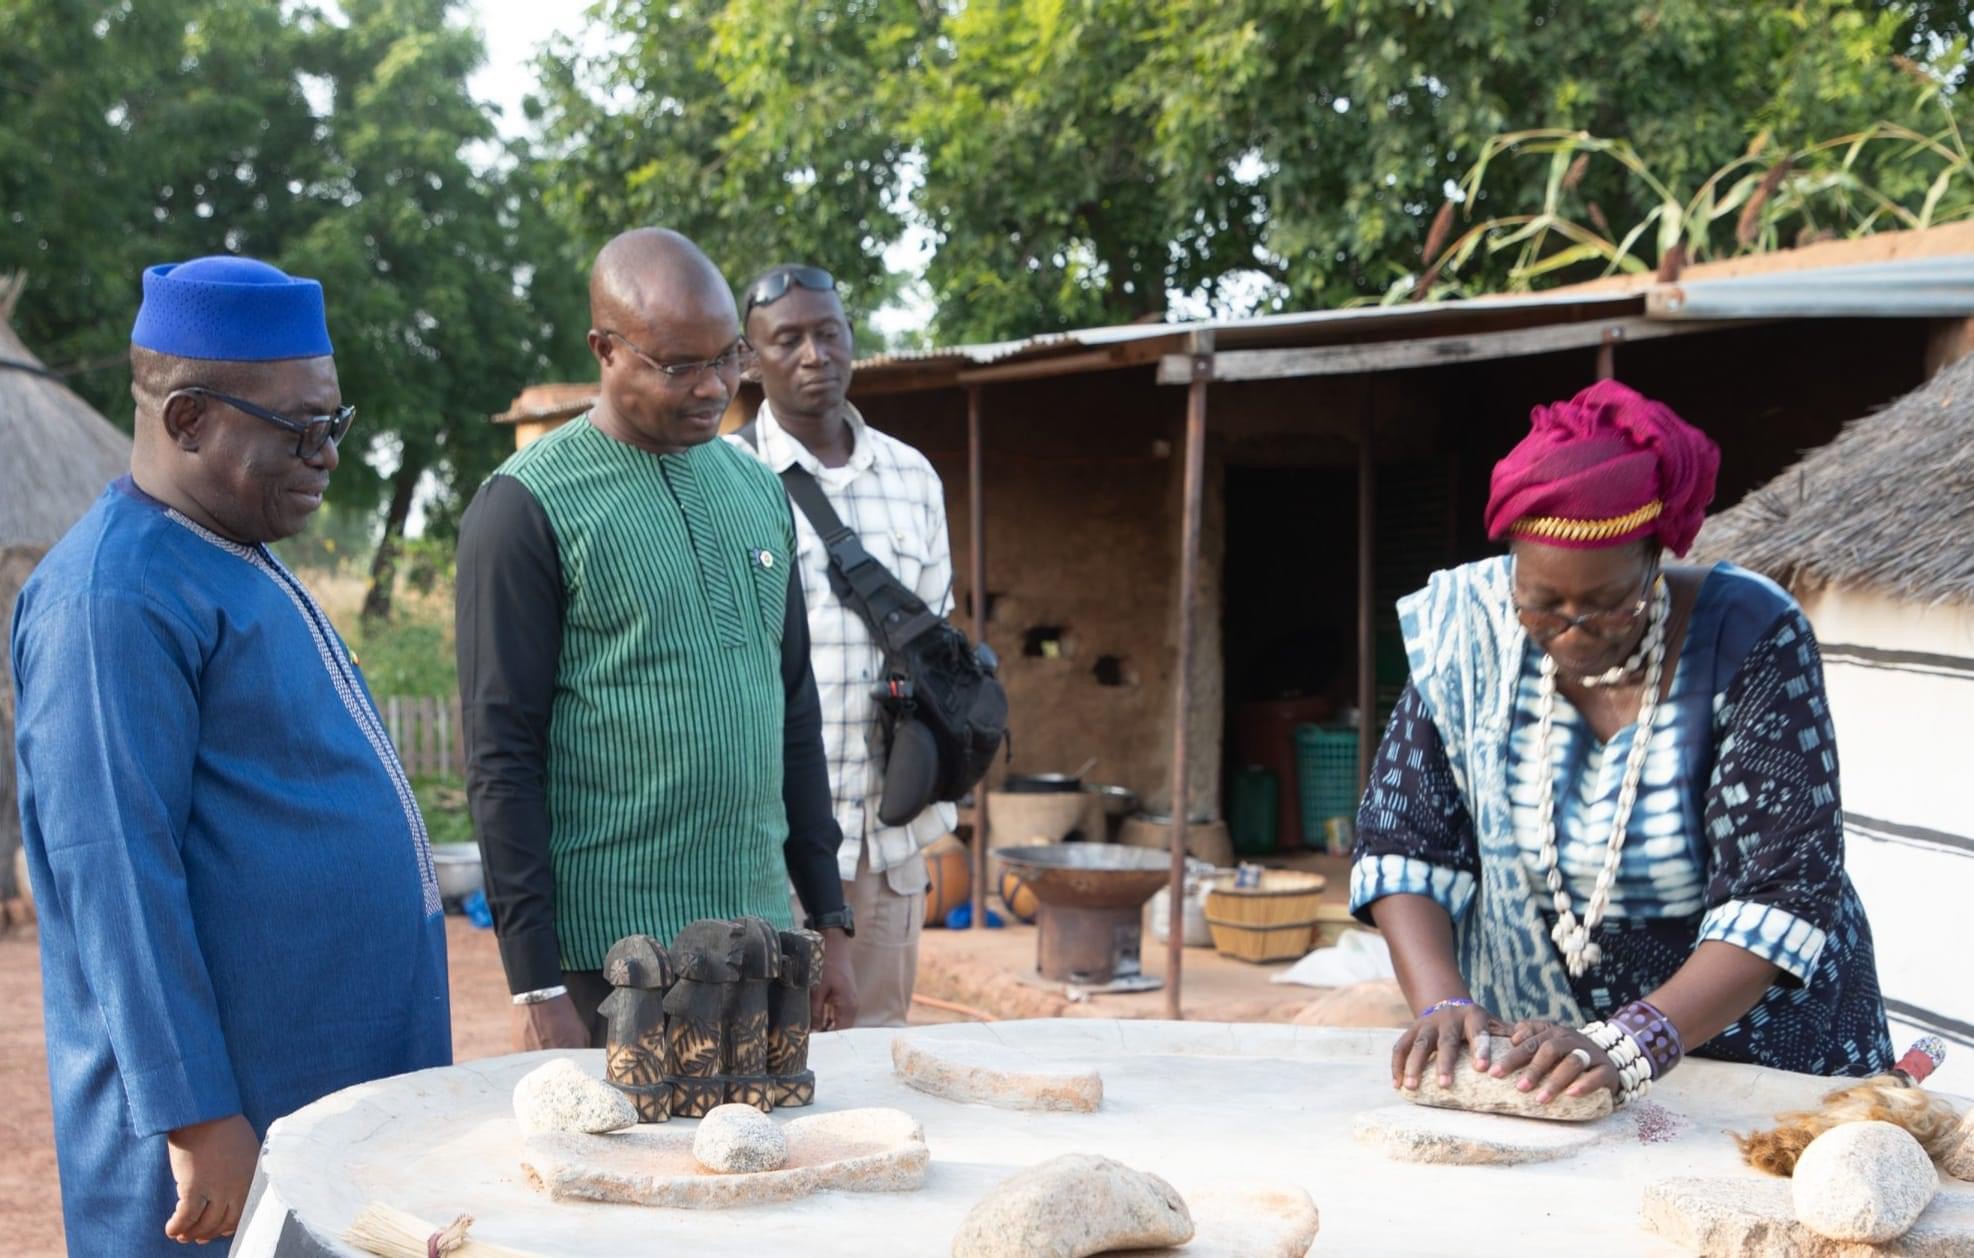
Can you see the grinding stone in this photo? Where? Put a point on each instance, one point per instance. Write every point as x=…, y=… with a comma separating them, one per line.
x=862, y=1150
x=1753, y=1217
x=1408, y=1133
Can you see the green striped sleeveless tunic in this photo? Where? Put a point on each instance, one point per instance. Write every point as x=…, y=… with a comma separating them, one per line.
x=665, y=738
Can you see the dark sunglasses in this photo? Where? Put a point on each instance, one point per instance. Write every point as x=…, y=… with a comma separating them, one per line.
x=311, y=434
x=774, y=286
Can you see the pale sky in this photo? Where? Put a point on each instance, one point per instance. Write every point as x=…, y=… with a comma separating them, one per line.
x=515, y=30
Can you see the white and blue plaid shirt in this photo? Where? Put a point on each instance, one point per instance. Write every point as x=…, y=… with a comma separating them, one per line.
x=891, y=498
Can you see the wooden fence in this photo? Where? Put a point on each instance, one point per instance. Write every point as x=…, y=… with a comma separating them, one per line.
x=425, y=731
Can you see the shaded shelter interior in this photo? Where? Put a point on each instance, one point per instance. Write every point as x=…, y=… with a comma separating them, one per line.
x=1082, y=494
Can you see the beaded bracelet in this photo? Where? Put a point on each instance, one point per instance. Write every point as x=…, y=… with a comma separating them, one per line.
x=1654, y=1034
x=1455, y=1002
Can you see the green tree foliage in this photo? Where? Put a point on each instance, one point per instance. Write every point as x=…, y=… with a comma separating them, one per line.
x=138, y=133
x=1353, y=116
x=1076, y=161
x=131, y=134
x=765, y=130
x=428, y=259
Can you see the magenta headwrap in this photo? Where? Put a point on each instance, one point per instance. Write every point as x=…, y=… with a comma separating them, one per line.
x=1608, y=466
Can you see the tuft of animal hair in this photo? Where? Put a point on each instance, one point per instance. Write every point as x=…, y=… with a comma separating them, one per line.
x=1885, y=1099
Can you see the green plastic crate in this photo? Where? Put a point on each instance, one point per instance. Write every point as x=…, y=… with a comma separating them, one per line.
x=1251, y=818
x=1326, y=777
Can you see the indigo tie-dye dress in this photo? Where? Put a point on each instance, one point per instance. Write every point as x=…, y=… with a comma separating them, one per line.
x=1736, y=834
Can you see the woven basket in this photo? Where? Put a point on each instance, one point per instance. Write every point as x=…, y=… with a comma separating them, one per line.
x=1244, y=942
x=1284, y=896
x=1271, y=922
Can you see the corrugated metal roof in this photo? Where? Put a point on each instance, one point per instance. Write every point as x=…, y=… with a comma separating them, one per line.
x=1913, y=288
x=1304, y=326
x=1937, y=285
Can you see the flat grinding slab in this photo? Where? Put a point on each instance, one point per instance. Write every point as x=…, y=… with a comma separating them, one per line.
x=1738, y=1218
x=1211, y=1107
x=1414, y=1133
x=868, y=1150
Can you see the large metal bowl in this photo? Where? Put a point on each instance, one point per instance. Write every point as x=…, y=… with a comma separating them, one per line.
x=1089, y=875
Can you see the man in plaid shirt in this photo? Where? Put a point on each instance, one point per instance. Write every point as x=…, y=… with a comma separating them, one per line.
x=888, y=494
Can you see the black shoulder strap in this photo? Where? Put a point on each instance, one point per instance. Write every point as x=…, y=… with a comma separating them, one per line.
x=895, y=614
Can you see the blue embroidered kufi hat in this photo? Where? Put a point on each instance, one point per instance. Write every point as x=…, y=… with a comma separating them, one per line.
x=231, y=309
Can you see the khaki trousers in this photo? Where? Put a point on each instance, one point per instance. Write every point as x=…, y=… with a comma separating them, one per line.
x=884, y=951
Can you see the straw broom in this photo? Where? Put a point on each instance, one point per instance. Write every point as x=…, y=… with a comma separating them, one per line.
x=391, y=1233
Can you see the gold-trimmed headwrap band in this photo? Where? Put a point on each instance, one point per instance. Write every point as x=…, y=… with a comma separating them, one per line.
x=1562, y=529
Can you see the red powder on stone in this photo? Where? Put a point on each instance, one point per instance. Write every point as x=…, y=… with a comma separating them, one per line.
x=1655, y=1123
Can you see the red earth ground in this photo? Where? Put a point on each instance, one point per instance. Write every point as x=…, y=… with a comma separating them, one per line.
x=30, y=1209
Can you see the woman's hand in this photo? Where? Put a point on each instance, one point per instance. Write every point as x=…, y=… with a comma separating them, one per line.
x=1558, y=1059
x=1439, y=1034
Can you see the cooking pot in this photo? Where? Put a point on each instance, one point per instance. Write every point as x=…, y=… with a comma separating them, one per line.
x=1041, y=784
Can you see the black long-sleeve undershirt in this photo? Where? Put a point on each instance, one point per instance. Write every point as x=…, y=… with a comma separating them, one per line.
x=509, y=613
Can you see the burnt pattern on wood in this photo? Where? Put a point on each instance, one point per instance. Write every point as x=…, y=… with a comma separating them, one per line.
x=721, y=1016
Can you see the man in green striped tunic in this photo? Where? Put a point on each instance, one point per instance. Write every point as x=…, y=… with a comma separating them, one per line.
x=643, y=736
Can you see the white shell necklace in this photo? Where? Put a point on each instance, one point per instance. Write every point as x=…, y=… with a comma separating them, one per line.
x=1580, y=952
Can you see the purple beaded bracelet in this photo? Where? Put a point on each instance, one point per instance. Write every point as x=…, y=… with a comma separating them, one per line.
x=1657, y=1038
x=1455, y=1002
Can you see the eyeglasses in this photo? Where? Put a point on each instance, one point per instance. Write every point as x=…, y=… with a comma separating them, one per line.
x=312, y=433
x=732, y=360
x=1544, y=623
x=774, y=286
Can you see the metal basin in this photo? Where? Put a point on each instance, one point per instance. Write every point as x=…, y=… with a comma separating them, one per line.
x=1089, y=875
x=457, y=867
x=1090, y=897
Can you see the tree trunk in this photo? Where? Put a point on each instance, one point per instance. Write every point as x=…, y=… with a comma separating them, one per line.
x=384, y=565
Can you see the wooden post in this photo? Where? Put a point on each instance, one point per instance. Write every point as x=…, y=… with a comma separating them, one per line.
x=443, y=713
x=457, y=765
x=428, y=735
x=977, y=544
x=1367, y=586
x=1607, y=352
x=1182, y=689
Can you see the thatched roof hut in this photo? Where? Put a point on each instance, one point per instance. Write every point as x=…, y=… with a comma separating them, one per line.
x=1888, y=506
x=58, y=455
x=1874, y=533
x=60, y=452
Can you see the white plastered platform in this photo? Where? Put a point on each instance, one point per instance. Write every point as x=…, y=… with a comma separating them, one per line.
x=1202, y=1104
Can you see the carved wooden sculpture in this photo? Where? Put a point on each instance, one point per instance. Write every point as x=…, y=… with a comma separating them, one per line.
x=788, y=1018
x=635, y=1048
x=720, y=1016
x=706, y=958
x=747, y=1015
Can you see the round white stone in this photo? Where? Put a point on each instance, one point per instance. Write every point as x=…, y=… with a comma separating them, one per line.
x=562, y=1096
x=738, y=1138
x=1864, y=1182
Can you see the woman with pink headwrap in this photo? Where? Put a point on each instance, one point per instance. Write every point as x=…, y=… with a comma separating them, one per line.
x=1605, y=815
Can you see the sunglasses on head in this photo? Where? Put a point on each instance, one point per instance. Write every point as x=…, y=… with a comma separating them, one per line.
x=774, y=286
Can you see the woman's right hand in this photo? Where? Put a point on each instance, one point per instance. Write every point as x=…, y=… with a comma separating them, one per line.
x=1437, y=1036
